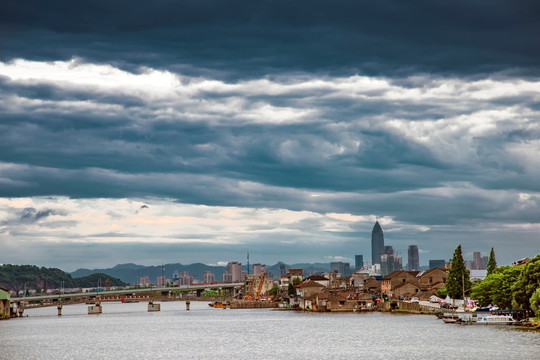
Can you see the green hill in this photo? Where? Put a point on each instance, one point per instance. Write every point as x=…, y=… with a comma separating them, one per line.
x=98, y=280
x=17, y=277
x=20, y=277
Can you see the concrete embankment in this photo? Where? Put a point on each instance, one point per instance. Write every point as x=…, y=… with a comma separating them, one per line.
x=243, y=304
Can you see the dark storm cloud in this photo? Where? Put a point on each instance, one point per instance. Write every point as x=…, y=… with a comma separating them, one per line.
x=31, y=214
x=256, y=107
x=247, y=39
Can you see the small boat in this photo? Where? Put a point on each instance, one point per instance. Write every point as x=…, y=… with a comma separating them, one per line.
x=219, y=304
x=496, y=320
x=451, y=320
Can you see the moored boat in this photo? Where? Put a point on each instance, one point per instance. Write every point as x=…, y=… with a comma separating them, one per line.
x=496, y=320
x=219, y=304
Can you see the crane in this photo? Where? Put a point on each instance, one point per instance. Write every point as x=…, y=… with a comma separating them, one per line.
x=248, y=297
x=259, y=288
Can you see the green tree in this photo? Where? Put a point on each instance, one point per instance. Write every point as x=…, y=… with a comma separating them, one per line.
x=526, y=285
x=497, y=288
x=292, y=286
x=457, y=282
x=442, y=292
x=492, y=262
x=274, y=291
x=535, y=302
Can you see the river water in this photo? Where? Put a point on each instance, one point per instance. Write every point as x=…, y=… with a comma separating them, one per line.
x=128, y=331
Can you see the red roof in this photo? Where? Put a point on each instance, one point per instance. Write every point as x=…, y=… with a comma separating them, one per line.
x=309, y=284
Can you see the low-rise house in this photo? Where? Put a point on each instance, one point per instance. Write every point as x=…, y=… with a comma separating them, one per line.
x=406, y=289
x=433, y=276
x=336, y=281
x=359, y=277
x=288, y=278
x=318, y=279
x=392, y=280
x=306, y=291
x=372, y=285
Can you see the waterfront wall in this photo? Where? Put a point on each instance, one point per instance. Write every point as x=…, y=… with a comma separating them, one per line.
x=241, y=304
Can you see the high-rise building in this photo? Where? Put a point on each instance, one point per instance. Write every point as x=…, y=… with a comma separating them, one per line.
x=160, y=281
x=185, y=279
x=390, y=263
x=208, y=277
x=343, y=268
x=477, y=260
x=144, y=281
x=377, y=244
x=414, y=259
x=233, y=272
x=282, y=269
x=259, y=269
x=485, y=260
x=436, y=264
x=358, y=262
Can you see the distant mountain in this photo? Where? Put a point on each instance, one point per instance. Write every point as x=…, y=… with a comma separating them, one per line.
x=131, y=273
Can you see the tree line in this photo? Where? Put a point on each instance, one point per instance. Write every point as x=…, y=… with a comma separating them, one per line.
x=507, y=287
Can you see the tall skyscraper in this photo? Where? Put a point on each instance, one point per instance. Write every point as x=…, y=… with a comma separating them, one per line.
x=358, y=262
x=414, y=259
x=477, y=260
x=377, y=244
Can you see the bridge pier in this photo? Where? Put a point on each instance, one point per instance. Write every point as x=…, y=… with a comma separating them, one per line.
x=95, y=309
x=59, y=307
x=153, y=307
x=187, y=305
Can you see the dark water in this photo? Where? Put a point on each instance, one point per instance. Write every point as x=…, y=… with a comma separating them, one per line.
x=128, y=331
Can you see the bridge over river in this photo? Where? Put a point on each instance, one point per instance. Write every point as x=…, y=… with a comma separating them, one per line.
x=129, y=294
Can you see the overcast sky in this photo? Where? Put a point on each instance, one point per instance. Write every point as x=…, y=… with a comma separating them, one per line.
x=196, y=131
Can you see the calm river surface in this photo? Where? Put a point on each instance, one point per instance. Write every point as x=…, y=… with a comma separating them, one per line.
x=128, y=331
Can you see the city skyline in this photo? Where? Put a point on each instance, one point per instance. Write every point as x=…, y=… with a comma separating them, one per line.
x=198, y=131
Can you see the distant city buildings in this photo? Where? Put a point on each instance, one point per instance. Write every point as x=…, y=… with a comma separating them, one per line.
x=343, y=268
x=161, y=281
x=479, y=262
x=390, y=262
x=413, y=262
x=144, y=281
x=358, y=262
x=209, y=277
x=259, y=269
x=185, y=279
x=436, y=264
x=377, y=244
x=233, y=272
x=282, y=269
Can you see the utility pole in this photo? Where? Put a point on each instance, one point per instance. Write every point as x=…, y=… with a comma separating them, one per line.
x=463, y=289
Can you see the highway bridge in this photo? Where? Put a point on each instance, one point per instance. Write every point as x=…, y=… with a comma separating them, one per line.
x=156, y=293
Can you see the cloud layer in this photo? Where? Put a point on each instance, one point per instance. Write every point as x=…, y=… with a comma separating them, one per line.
x=304, y=129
